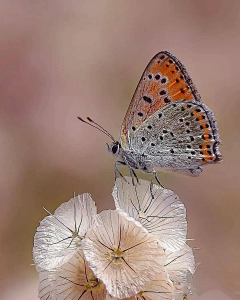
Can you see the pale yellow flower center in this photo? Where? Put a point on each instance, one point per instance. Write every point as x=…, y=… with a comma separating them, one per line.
x=78, y=241
x=142, y=215
x=116, y=257
x=94, y=284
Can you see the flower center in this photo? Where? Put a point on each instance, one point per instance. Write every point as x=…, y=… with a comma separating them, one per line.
x=94, y=284
x=77, y=241
x=142, y=215
x=116, y=257
x=74, y=234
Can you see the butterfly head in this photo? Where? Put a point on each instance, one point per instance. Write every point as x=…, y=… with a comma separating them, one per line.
x=114, y=148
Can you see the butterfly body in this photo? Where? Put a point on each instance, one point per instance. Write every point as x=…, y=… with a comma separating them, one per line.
x=167, y=125
x=133, y=159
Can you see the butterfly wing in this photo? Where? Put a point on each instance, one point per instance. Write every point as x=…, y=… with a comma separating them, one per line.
x=164, y=80
x=167, y=121
x=181, y=136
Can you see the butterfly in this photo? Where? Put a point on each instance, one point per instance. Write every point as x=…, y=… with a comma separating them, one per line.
x=167, y=125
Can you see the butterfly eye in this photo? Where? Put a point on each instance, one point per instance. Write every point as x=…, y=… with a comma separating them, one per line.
x=114, y=149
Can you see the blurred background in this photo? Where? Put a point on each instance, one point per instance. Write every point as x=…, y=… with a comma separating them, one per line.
x=60, y=59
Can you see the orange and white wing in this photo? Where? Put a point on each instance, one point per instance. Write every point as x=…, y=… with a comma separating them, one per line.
x=164, y=80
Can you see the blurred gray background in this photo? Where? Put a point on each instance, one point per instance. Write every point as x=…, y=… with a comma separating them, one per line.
x=60, y=59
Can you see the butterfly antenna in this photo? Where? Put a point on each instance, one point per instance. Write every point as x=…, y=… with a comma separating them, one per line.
x=97, y=126
x=90, y=120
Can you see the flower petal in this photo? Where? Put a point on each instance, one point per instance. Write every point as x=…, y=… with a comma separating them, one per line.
x=44, y=287
x=122, y=254
x=59, y=235
x=157, y=209
x=74, y=280
x=178, y=264
x=157, y=289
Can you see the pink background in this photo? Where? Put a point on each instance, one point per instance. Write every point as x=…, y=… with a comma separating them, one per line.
x=60, y=59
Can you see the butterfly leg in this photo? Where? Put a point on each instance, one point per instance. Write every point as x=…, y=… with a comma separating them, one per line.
x=133, y=175
x=157, y=179
x=116, y=171
x=151, y=189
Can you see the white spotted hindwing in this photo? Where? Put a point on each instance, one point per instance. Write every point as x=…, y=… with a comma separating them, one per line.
x=167, y=120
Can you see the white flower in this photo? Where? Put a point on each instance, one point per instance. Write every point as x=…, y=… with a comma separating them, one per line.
x=180, y=266
x=59, y=235
x=158, y=289
x=74, y=280
x=122, y=254
x=157, y=209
